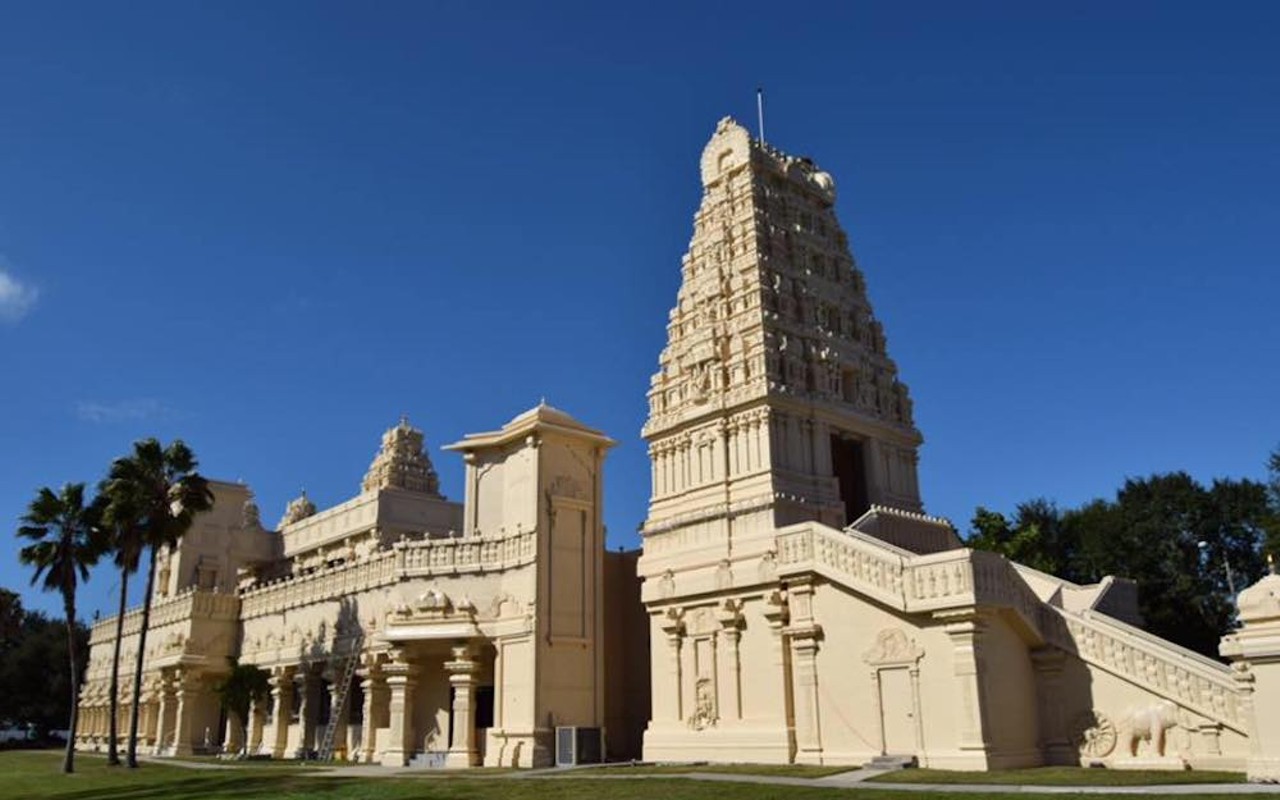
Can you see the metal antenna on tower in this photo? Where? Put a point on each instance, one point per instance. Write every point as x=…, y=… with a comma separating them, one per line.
x=760, y=110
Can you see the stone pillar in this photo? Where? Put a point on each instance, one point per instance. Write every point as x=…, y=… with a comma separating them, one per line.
x=308, y=688
x=281, y=709
x=257, y=720
x=233, y=742
x=1254, y=649
x=462, y=671
x=164, y=713
x=965, y=629
x=150, y=715
x=401, y=677
x=187, y=691
x=339, y=713
x=374, y=685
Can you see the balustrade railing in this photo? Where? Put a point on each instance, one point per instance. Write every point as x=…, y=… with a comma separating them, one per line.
x=191, y=602
x=959, y=578
x=409, y=559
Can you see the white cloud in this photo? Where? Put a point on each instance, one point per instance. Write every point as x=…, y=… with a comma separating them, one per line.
x=16, y=298
x=121, y=411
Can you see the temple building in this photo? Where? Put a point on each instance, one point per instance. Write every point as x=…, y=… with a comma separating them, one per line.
x=792, y=601
x=399, y=627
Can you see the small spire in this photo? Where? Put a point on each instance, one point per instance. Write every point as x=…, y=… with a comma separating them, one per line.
x=543, y=401
x=1271, y=564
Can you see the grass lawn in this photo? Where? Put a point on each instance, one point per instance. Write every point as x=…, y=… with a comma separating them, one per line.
x=1062, y=776
x=784, y=770
x=34, y=775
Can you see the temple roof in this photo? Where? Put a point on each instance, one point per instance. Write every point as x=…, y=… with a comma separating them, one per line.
x=540, y=417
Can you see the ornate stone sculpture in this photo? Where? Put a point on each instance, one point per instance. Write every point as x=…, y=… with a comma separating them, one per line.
x=1148, y=724
x=250, y=516
x=402, y=463
x=704, y=708
x=299, y=508
x=1093, y=734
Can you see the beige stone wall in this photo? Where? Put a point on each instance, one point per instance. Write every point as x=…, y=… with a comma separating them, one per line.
x=626, y=657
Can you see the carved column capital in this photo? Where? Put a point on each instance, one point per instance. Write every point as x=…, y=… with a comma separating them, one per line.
x=672, y=622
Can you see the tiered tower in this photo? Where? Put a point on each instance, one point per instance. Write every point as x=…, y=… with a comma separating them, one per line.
x=776, y=401
x=402, y=463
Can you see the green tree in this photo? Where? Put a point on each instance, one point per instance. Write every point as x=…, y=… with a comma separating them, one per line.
x=65, y=542
x=243, y=685
x=35, y=674
x=164, y=492
x=1273, y=487
x=120, y=519
x=10, y=617
x=1171, y=534
x=1036, y=536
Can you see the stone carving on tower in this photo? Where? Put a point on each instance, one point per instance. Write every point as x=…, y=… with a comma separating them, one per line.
x=402, y=463
x=299, y=508
x=775, y=393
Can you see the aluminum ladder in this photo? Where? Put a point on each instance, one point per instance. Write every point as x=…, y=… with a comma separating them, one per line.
x=340, y=699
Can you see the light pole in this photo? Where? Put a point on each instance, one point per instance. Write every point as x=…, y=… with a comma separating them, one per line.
x=1231, y=582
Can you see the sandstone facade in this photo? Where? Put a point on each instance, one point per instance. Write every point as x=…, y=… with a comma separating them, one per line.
x=792, y=603
x=460, y=633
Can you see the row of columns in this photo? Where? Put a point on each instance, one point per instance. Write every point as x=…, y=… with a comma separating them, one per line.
x=389, y=682
x=165, y=717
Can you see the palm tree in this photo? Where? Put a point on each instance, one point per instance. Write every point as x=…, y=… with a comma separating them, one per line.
x=66, y=541
x=164, y=492
x=242, y=686
x=119, y=521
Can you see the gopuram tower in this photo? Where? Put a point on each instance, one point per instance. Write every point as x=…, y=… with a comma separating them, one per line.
x=775, y=401
x=775, y=404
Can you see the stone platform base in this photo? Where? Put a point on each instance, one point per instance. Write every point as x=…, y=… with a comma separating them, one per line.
x=1148, y=762
x=723, y=746
x=1263, y=770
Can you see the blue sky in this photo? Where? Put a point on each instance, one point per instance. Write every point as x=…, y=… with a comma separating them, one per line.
x=271, y=228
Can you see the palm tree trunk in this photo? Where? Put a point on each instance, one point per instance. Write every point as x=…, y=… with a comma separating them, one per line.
x=113, y=754
x=131, y=759
x=68, y=761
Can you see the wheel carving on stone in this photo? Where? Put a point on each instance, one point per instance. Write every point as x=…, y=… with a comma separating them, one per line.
x=1093, y=734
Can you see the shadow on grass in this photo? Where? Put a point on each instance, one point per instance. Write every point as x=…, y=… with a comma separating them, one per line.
x=211, y=787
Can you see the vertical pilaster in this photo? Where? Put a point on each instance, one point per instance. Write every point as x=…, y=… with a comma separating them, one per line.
x=1055, y=746
x=673, y=626
x=777, y=612
x=730, y=680
x=965, y=631
x=804, y=634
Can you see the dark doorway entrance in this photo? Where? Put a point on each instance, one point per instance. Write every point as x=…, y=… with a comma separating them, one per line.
x=850, y=468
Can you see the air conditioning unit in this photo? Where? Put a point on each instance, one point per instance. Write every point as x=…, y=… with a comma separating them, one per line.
x=576, y=745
